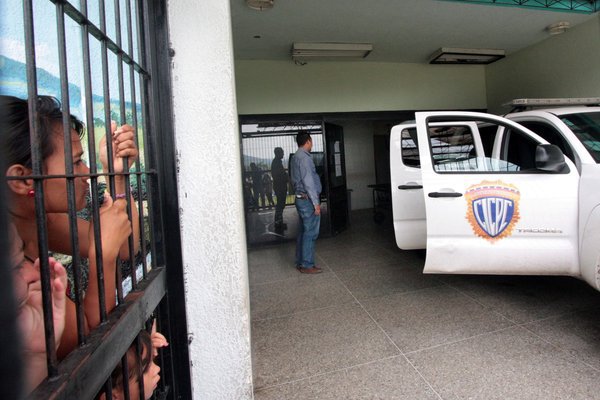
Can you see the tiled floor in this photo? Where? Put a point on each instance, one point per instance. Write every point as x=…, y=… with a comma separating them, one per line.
x=372, y=326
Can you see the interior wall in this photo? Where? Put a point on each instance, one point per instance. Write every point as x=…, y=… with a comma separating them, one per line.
x=270, y=87
x=566, y=65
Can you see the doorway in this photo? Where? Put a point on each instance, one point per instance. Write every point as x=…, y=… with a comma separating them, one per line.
x=267, y=147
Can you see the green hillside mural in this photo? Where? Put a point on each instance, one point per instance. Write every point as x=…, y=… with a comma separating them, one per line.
x=13, y=82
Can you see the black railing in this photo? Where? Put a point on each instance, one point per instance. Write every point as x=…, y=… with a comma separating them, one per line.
x=143, y=95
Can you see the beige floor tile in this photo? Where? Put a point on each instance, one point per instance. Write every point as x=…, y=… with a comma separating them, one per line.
x=384, y=279
x=306, y=344
x=510, y=364
x=301, y=293
x=577, y=333
x=389, y=379
x=431, y=317
x=527, y=298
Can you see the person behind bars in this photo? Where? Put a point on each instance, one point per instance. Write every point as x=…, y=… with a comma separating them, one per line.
x=257, y=185
x=150, y=371
x=30, y=316
x=280, y=183
x=115, y=225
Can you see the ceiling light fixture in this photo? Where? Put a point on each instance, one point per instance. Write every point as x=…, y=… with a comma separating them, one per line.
x=260, y=5
x=558, y=28
x=448, y=55
x=330, y=51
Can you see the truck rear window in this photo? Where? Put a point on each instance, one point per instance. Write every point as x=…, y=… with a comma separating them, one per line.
x=586, y=126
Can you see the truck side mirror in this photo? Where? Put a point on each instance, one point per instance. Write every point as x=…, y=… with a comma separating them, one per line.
x=550, y=158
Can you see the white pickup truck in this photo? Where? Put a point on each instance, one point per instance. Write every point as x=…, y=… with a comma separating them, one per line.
x=485, y=194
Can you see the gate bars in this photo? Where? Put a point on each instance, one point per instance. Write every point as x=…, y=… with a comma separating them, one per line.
x=87, y=370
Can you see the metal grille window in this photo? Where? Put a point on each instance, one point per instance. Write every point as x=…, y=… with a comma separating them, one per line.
x=106, y=62
x=267, y=148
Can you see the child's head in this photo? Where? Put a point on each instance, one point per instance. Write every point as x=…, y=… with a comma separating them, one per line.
x=149, y=369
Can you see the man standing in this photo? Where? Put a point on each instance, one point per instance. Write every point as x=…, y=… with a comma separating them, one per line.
x=257, y=185
x=280, y=182
x=307, y=188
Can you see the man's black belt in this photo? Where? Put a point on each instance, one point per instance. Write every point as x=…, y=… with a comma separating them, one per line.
x=303, y=196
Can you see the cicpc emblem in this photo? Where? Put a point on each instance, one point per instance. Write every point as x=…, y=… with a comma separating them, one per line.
x=492, y=209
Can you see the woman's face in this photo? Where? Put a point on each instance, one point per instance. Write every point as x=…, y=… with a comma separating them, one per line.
x=55, y=190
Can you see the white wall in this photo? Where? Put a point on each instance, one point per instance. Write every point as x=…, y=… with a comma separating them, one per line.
x=210, y=196
x=566, y=65
x=271, y=87
x=265, y=87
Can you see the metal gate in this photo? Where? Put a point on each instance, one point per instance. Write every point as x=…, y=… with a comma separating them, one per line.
x=123, y=75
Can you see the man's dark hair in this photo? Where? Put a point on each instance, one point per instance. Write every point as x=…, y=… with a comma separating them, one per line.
x=14, y=122
x=302, y=138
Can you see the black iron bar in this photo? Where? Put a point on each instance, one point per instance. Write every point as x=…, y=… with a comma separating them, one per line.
x=138, y=365
x=68, y=147
x=134, y=123
x=108, y=129
x=125, y=373
x=123, y=114
x=165, y=355
x=98, y=33
x=143, y=85
x=140, y=188
x=150, y=92
x=168, y=245
x=96, y=175
x=36, y=166
x=83, y=373
x=107, y=388
x=87, y=77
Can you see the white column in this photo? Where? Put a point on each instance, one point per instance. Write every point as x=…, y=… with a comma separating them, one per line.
x=210, y=197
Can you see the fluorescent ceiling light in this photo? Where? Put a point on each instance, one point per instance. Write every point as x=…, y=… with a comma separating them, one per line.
x=558, y=28
x=260, y=5
x=330, y=51
x=448, y=55
x=573, y=101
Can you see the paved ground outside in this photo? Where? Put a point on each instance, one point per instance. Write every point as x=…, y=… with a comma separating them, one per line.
x=372, y=326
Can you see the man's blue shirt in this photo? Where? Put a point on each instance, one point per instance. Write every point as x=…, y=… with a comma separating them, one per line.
x=304, y=176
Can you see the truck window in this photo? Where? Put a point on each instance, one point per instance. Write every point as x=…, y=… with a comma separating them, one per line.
x=410, y=150
x=518, y=150
x=488, y=137
x=551, y=134
x=454, y=150
x=586, y=126
x=451, y=147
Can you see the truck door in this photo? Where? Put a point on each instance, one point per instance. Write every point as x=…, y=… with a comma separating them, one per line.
x=498, y=213
x=408, y=203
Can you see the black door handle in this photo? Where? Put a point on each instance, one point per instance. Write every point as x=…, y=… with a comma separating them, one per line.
x=410, y=187
x=436, y=195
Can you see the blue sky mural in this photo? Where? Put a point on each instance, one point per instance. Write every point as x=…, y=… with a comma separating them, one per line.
x=13, y=79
